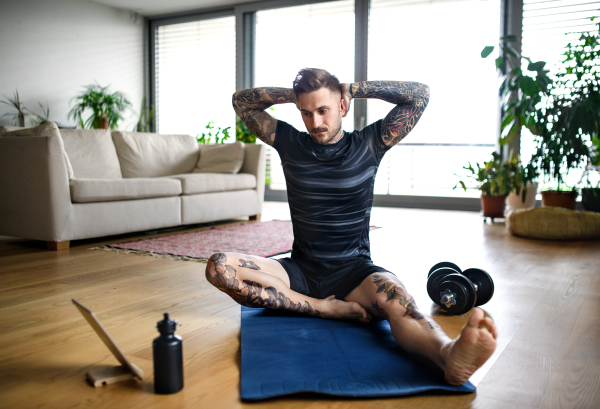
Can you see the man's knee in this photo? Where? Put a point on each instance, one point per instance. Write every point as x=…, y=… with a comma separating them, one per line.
x=218, y=272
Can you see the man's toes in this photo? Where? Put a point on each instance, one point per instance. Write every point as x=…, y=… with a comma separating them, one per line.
x=476, y=318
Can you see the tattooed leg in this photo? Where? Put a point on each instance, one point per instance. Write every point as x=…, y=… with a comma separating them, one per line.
x=258, y=282
x=385, y=297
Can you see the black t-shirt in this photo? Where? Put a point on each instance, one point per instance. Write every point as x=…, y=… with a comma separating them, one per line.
x=330, y=190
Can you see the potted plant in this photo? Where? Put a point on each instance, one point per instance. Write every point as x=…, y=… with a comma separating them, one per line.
x=107, y=108
x=571, y=120
x=524, y=188
x=17, y=105
x=494, y=179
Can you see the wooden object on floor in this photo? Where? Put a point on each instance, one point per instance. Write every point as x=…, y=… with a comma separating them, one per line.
x=255, y=217
x=58, y=245
x=109, y=375
x=546, y=305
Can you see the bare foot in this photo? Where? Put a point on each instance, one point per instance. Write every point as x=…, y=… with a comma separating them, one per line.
x=476, y=343
x=343, y=310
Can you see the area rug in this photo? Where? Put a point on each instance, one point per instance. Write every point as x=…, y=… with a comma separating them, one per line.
x=264, y=239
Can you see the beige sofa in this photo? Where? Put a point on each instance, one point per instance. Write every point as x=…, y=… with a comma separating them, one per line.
x=62, y=185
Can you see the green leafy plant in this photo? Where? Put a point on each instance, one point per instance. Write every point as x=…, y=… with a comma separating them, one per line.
x=570, y=126
x=107, y=108
x=242, y=133
x=523, y=92
x=145, y=122
x=17, y=105
x=493, y=178
x=45, y=117
x=207, y=137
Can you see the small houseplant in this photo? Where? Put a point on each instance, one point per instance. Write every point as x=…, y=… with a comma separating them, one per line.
x=494, y=180
x=524, y=189
x=17, y=105
x=107, y=108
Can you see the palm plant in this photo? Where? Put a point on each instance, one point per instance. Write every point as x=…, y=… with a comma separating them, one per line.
x=145, y=122
x=16, y=103
x=107, y=109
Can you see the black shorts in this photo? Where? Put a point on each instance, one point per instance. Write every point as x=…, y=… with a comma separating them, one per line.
x=322, y=278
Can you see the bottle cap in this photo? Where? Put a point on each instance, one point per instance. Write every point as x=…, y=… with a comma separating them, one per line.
x=167, y=325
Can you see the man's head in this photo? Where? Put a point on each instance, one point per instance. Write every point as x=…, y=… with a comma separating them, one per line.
x=321, y=104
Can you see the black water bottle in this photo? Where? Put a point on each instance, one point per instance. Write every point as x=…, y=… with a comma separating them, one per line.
x=168, y=358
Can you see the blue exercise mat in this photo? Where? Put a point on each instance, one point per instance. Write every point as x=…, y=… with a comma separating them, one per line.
x=285, y=353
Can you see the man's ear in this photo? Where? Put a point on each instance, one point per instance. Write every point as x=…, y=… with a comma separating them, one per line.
x=343, y=107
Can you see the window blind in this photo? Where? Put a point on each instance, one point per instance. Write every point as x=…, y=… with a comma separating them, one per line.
x=549, y=25
x=195, y=76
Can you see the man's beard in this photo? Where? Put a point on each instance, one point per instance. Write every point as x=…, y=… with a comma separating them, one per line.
x=329, y=137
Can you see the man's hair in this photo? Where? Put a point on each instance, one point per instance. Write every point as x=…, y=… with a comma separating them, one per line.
x=313, y=79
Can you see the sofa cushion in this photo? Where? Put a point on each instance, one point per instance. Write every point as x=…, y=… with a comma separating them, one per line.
x=220, y=158
x=196, y=183
x=45, y=129
x=91, y=153
x=145, y=155
x=107, y=190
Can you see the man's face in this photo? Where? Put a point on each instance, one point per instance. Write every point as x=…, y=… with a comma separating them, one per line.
x=321, y=111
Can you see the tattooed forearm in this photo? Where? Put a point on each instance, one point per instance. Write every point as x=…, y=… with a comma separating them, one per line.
x=396, y=291
x=251, y=293
x=395, y=92
x=411, y=99
x=250, y=105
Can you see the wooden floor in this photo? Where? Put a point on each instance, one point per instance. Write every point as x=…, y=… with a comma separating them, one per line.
x=546, y=306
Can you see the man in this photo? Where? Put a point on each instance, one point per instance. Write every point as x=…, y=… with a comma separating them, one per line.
x=330, y=176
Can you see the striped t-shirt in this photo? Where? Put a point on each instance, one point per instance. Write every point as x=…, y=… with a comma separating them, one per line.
x=330, y=190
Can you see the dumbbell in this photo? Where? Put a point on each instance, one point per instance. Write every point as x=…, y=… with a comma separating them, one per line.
x=457, y=291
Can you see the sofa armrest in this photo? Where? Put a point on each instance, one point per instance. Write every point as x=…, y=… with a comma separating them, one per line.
x=35, y=202
x=255, y=162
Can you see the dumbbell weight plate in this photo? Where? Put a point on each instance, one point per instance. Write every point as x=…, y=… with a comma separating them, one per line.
x=436, y=277
x=461, y=291
x=444, y=264
x=484, y=282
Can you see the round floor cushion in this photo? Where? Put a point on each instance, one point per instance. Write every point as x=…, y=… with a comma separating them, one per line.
x=554, y=223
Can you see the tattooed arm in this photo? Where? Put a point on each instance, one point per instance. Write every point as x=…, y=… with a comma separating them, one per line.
x=250, y=105
x=411, y=99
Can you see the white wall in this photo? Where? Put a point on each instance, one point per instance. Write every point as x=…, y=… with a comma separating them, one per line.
x=51, y=49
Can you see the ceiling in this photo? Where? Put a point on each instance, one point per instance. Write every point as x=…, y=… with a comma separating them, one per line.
x=151, y=8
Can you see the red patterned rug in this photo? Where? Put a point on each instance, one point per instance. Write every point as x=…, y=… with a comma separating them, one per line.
x=264, y=239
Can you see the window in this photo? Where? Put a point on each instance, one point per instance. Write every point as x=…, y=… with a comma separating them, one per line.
x=194, y=73
x=289, y=39
x=438, y=43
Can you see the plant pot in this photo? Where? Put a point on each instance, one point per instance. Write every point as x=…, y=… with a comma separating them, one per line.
x=105, y=123
x=590, y=197
x=515, y=200
x=554, y=198
x=493, y=206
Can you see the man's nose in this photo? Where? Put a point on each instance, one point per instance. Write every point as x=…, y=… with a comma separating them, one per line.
x=317, y=121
